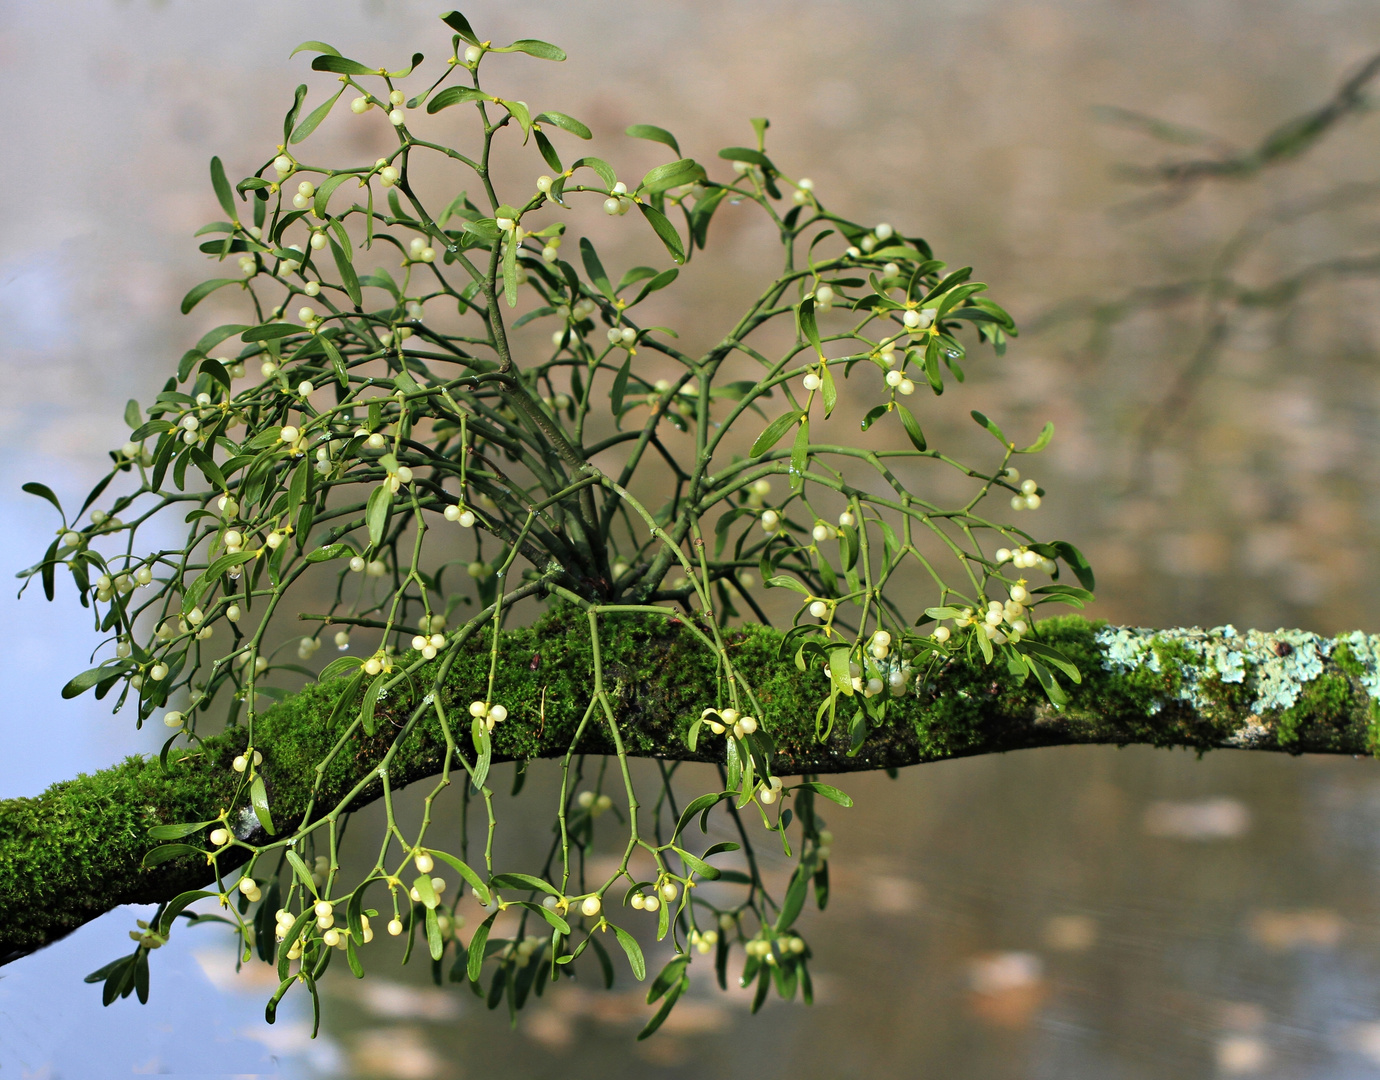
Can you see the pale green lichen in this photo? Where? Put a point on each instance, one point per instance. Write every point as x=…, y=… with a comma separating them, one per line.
x=1278, y=665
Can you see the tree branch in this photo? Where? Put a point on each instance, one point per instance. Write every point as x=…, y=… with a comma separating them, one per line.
x=75, y=852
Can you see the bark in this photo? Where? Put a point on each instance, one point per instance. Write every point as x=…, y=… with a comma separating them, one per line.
x=76, y=851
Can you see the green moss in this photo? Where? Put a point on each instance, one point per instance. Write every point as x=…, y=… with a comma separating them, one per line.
x=75, y=851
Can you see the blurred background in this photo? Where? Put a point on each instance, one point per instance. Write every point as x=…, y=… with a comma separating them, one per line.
x=1207, y=350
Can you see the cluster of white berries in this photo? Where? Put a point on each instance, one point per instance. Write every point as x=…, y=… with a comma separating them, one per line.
x=388, y=174
x=1025, y=559
x=250, y=888
x=1029, y=497
x=880, y=234
x=1001, y=622
x=379, y=662
x=625, y=336
x=704, y=942
x=106, y=586
x=429, y=646
x=552, y=251
x=595, y=804
x=306, y=648
x=770, y=790
x=438, y=886
x=895, y=377
x=825, y=846
x=721, y=720
x=421, y=251
x=490, y=714
x=241, y=761
x=879, y=671
x=645, y=902
x=398, y=474
x=372, y=567
x=770, y=521
x=761, y=948
x=618, y=202
x=220, y=836
x=804, y=191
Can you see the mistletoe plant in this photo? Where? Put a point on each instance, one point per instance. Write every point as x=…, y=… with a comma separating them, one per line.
x=374, y=433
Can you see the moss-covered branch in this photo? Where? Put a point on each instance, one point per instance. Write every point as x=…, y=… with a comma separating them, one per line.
x=75, y=852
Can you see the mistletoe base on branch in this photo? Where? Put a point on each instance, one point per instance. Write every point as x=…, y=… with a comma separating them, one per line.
x=77, y=851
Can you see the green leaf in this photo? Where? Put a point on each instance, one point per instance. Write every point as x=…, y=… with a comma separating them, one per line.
x=1048, y=683
x=177, y=832
x=176, y=906
x=331, y=551
x=662, y=226
x=701, y=805
x=524, y=881
x=270, y=332
x=43, y=491
x=660, y=281
x=828, y=389
x=461, y=26
x=548, y=152
x=673, y=174
x=698, y=865
x=1039, y=444
x=90, y=678
x=299, y=96
x=620, y=386
x=600, y=166
x=532, y=47
x=341, y=66
x=565, y=123
x=754, y=157
x=912, y=426
x=809, y=325
x=259, y=798
x=519, y=111
x=794, y=900
x=1069, y=594
x=314, y=118
x=455, y=95
x=377, y=512
x=663, y=1012
x=434, y=943
x=1051, y=656
x=783, y=581
x=164, y=852
x=347, y=272
x=472, y=879
x=477, y=943
x=654, y=134
x=426, y=890
x=594, y=269
x=198, y=293
x=774, y=433
x=339, y=667
x=370, y=702
x=828, y=791
x=326, y=189
x=634, y=951
x=991, y=427
x=839, y=672
x=668, y=977
x=303, y=875
x=224, y=195
x=315, y=46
